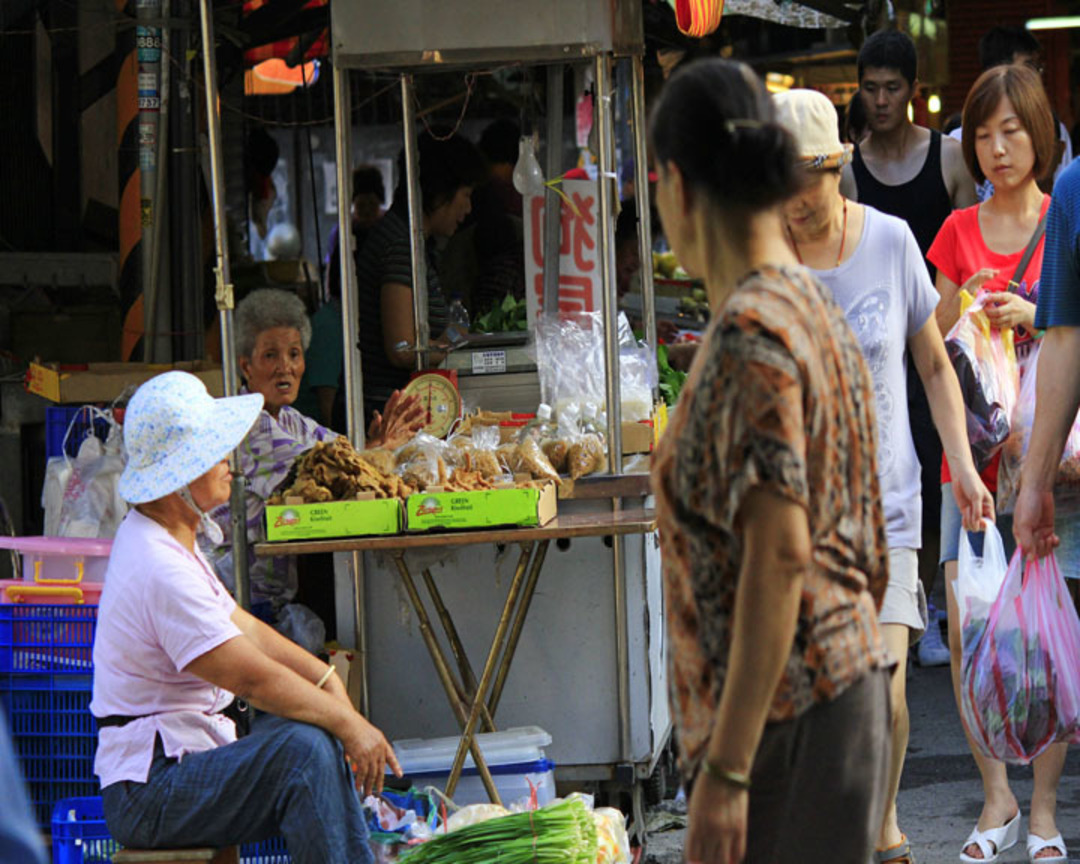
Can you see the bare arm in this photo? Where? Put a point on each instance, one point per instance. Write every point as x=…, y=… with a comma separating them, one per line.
x=1057, y=398
x=398, y=328
x=958, y=179
x=274, y=675
x=947, y=407
x=776, y=554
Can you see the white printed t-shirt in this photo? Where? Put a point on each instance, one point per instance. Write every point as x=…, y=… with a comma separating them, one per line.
x=886, y=294
x=162, y=608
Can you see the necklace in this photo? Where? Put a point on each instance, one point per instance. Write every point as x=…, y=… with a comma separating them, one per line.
x=843, y=237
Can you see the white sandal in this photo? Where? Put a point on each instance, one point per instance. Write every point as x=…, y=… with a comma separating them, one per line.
x=994, y=841
x=1036, y=844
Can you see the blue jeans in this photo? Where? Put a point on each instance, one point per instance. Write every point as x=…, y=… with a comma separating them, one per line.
x=284, y=778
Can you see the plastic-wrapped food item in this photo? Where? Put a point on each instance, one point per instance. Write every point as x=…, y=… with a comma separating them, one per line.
x=484, y=458
x=985, y=362
x=474, y=814
x=534, y=462
x=379, y=458
x=586, y=456
x=556, y=450
x=540, y=427
x=422, y=462
x=612, y=841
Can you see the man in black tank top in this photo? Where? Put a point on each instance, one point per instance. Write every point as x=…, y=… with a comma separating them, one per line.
x=918, y=175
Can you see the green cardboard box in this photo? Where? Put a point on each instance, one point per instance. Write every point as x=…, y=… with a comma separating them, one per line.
x=333, y=519
x=486, y=508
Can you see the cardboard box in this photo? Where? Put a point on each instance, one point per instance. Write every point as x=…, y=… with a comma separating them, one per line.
x=105, y=382
x=488, y=508
x=333, y=519
x=637, y=437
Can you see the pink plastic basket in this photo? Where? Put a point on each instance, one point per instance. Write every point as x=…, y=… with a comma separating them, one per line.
x=61, y=560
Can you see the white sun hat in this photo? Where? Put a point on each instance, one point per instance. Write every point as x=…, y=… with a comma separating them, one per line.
x=174, y=432
x=811, y=119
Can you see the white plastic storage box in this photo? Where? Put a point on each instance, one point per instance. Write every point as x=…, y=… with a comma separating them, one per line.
x=515, y=758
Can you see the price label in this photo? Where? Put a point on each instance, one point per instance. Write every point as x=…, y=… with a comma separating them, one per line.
x=488, y=362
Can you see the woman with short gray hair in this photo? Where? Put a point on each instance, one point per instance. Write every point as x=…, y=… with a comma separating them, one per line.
x=272, y=333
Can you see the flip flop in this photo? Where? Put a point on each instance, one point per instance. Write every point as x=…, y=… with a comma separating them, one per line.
x=993, y=841
x=900, y=853
x=1036, y=844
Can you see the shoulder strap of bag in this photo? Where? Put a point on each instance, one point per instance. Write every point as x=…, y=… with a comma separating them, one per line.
x=1032, y=245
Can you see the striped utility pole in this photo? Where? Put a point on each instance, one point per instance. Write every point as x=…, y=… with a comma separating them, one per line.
x=129, y=177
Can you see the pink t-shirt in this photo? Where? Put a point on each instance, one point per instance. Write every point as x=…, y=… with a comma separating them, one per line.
x=162, y=607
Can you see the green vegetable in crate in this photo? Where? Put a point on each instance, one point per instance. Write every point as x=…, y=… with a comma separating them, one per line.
x=561, y=833
x=505, y=317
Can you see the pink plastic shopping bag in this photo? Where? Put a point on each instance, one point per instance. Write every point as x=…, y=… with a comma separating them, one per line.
x=1021, y=665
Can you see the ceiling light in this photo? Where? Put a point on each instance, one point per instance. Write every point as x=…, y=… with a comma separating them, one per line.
x=1059, y=23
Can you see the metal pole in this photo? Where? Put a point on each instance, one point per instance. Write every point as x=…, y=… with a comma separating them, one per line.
x=641, y=196
x=224, y=296
x=606, y=248
x=160, y=283
x=148, y=17
x=421, y=333
x=552, y=202
x=350, y=324
x=606, y=253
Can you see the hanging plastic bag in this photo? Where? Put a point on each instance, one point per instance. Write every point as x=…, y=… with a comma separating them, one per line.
x=89, y=503
x=978, y=581
x=1067, y=482
x=1020, y=678
x=985, y=362
x=297, y=622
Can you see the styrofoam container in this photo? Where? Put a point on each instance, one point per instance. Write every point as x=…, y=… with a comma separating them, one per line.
x=515, y=782
x=61, y=559
x=508, y=747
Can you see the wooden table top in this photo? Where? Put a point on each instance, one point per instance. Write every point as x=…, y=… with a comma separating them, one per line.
x=628, y=521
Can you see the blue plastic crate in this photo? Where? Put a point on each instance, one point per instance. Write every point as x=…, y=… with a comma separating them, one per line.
x=57, y=420
x=54, y=736
x=36, y=638
x=80, y=836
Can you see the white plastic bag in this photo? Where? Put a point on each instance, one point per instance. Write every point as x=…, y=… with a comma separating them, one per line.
x=979, y=579
x=88, y=485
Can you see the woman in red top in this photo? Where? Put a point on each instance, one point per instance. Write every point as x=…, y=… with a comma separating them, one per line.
x=1008, y=138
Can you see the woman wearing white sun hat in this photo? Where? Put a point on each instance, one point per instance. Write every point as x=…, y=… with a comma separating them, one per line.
x=872, y=265
x=172, y=648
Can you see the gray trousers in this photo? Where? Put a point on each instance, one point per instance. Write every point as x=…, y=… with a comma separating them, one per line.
x=818, y=782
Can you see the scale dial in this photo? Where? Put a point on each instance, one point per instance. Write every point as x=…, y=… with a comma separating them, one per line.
x=439, y=396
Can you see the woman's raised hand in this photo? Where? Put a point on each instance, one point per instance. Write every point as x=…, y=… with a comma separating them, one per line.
x=401, y=418
x=978, y=279
x=1005, y=309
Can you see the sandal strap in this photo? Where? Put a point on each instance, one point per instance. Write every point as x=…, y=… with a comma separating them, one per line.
x=986, y=845
x=1036, y=844
x=901, y=852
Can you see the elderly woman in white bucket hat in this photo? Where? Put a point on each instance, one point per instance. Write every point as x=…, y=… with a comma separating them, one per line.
x=173, y=648
x=872, y=264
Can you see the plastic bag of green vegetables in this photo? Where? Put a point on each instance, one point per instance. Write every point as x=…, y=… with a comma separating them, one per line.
x=563, y=832
x=671, y=380
x=504, y=317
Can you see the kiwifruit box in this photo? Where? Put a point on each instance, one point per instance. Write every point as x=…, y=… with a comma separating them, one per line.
x=485, y=508
x=334, y=519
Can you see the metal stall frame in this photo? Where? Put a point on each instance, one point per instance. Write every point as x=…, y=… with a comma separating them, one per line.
x=394, y=38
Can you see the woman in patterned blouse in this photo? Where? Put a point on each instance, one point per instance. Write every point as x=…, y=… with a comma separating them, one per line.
x=775, y=557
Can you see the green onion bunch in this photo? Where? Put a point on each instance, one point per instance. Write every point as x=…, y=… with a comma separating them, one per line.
x=561, y=833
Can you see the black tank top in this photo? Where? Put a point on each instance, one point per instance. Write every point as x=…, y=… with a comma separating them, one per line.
x=923, y=202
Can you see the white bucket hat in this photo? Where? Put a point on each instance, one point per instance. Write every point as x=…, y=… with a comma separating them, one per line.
x=174, y=432
x=811, y=119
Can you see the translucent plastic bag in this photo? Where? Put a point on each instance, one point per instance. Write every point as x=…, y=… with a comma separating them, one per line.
x=979, y=580
x=1067, y=483
x=985, y=362
x=1020, y=677
x=89, y=502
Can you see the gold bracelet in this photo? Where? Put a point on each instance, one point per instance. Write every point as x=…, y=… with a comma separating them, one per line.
x=326, y=677
x=734, y=778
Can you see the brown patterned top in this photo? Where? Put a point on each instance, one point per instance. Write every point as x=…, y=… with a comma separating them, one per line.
x=778, y=397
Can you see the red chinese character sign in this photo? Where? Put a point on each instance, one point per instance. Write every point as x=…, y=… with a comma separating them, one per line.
x=579, y=265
